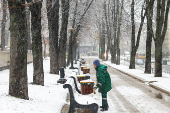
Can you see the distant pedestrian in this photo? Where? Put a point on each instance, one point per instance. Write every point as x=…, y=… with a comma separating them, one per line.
x=152, y=67
x=103, y=83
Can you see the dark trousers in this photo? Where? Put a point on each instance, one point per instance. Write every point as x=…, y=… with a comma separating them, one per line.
x=104, y=100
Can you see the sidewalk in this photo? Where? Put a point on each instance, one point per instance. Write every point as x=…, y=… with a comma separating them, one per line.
x=160, y=83
x=86, y=99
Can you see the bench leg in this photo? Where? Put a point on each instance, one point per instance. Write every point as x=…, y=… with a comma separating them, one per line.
x=71, y=110
x=94, y=110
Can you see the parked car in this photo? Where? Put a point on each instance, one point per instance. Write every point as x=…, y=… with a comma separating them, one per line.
x=126, y=55
x=93, y=53
x=164, y=61
x=139, y=62
x=152, y=60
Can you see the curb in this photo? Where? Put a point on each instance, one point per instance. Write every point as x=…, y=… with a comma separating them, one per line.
x=159, y=88
x=143, y=81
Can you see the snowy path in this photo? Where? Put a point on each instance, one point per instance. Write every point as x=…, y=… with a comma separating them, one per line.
x=129, y=95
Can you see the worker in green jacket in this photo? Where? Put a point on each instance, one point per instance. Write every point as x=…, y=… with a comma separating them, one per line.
x=103, y=83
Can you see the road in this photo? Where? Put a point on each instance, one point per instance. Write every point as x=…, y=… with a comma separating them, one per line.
x=131, y=96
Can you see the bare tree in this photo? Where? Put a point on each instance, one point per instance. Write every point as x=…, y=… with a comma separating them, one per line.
x=75, y=30
x=161, y=28
x=134, y=43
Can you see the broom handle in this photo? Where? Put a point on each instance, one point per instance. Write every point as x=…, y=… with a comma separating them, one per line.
x=93, y=92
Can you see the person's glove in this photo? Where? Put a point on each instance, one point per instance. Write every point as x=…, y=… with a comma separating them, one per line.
x=99, y=85
x=95, y=87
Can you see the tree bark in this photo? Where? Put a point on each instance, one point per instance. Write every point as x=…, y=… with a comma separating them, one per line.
x=69, y=52
x=148, y=51
x=133, y=51
x=115, y=33
x=111, y=51
x=53, y=26
x=103, y=42
x=28, y=13
x=18, y=83
x=107, y=25
x=158, y=59
x=63, y=33
x=3, y=24
x=38, y=76
x=149, y=36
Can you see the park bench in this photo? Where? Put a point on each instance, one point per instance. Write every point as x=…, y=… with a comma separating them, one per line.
x=74, y=104
x=75, y=84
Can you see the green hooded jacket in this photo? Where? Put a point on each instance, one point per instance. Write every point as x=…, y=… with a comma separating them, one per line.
x=103, y=79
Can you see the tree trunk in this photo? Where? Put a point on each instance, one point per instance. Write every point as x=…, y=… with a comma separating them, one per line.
x=3, y=25
x=132, y=59
x=99, y=51
x=53, y=26
x=133, y=51
x=18, y=83
x=118, y=30
x=69, y=52
x=44, y=47
x=7, y=31
x=148, y=51
x=112, y=53
x=63, y=33
x=74, y=43
x=115, y=32
x=149, y=36
x=29, y=27
x=158, y=59
x=103, y=47
x=71, y=36
x=107, y=27
x=108, y=48
x=118, y=57
x=38, y=77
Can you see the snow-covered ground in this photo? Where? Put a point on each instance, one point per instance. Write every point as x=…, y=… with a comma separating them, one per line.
x=51, y=97
x=162, y=82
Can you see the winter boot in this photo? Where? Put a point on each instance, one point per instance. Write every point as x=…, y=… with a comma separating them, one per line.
x=104, y=109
